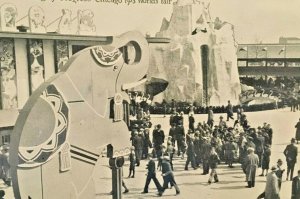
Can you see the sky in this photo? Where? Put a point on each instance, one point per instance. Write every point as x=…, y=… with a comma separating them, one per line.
x=254, y=20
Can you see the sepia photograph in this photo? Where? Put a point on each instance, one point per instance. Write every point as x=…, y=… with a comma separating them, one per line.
x=144, y=99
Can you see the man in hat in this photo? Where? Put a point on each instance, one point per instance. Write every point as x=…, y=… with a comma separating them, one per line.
x=229, y=151
x=291, y=152
x=138, y=143
x=151, y=175
x=251, y=164
x=132, y=160
x=179, y=136
x=205, y=150
x=272, y=188
x=222, y=123
x=229, y=110
x=192, y=122
x=172, y=133
x=147, y=143
x=296, y=186
x=168, y=176
x=279, y=172
x=190, y=151
x=158, y=140
x=210, y=119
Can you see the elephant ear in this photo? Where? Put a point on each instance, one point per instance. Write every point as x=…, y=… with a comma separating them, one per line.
x=135, y=50
x=106, y=55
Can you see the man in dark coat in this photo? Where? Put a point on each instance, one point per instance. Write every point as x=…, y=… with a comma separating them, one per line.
x=296, y=187
x=291, y=152
x=176, y=118
x=298, y=131
x=158, y=138
x=279, y=172
x=147, y=144
x=138, y=143
x=229, y=152
x=191, y=122
x=205, y=150
x=151, y=175
x=190, y=152
x=172, y=133
x=269, y=131
x=259, y=142
x=168, y=175
x=179, y=135
x=229, y=110
x=210, y=117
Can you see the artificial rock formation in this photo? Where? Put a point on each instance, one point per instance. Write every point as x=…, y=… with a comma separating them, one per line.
x=200, y=62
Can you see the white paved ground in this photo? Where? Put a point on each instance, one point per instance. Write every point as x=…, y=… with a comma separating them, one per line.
x=194, y=185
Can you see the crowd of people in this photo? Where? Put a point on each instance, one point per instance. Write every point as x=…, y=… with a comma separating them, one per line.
x=208, y=144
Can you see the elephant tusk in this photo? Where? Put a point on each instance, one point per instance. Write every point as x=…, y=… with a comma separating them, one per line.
x=134, y=84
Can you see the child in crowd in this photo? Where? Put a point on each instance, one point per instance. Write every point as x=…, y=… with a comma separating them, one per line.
x=132, y=160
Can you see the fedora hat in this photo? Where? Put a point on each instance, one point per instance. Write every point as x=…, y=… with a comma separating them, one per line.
x=274, y=168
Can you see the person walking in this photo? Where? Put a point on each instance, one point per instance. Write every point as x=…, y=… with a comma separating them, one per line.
x=190, y=152
x=132, y=160
x=272, y=188
x=151, y=175
x=229, y=110
x=279, y=172
x=168, y=176
x=296, y=186
x=251, y=164
x=158, y=140
x=192, y=122
x=138, y=143
x=179, y=136
x=213, y=163
x=297, y=131
x=291, y=152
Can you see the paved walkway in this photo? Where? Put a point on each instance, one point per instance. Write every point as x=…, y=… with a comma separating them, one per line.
x=194, y=185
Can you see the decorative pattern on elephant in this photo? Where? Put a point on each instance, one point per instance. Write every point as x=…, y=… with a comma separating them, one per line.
x=61, y=54
x=36, y=63
x=36, y=155
x=106, y=55
x=8, y=75
x=8, y=15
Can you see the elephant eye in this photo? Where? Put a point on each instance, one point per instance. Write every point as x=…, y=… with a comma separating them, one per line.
x=129, y=53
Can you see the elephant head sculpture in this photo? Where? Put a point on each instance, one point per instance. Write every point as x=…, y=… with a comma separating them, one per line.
x=56, y=140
